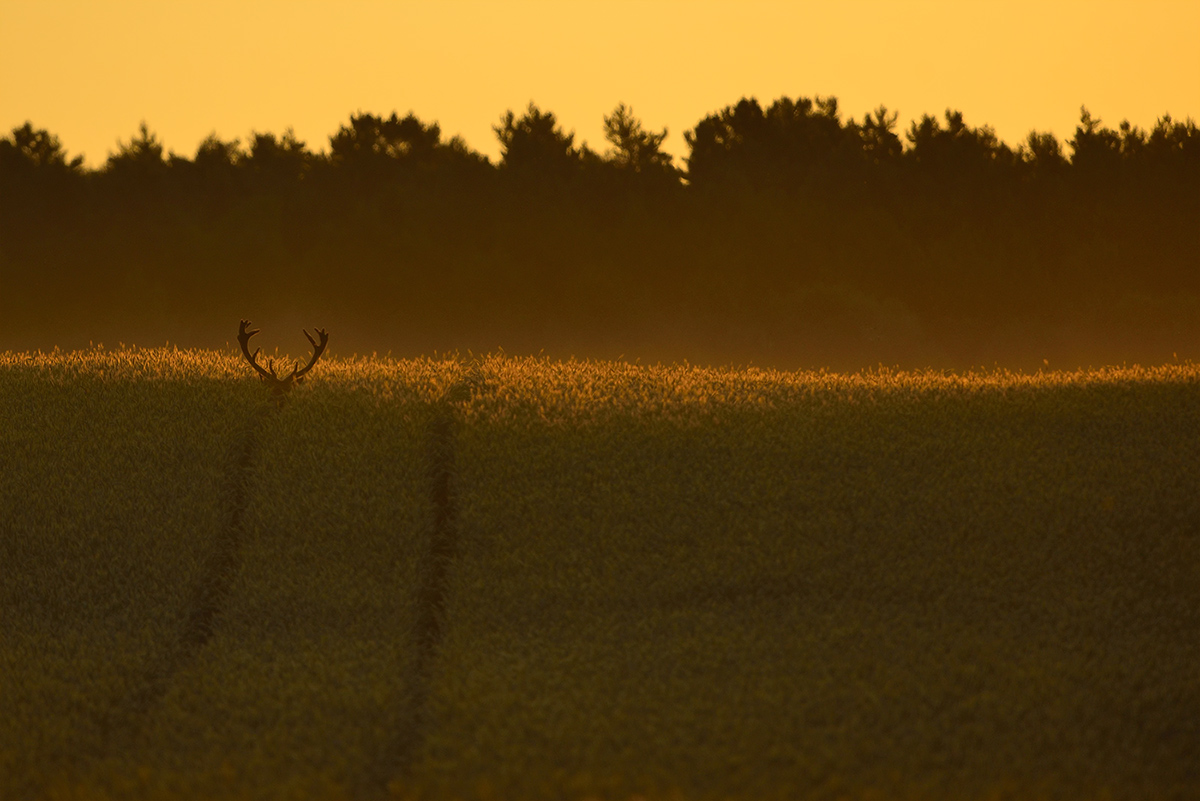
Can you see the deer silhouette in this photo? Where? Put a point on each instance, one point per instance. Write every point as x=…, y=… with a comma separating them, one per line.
x=280, y=386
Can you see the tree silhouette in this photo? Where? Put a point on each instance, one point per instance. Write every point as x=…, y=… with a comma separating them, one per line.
x=792, y=144
x=1173, y=155
x=213, y=154
x=278, y=161
x=371, y=142
x=213, y=178
x=534, y=143
x=395, y=147
x=28, y=147
x=1043, y=153
x=957, y=151
x=40, y=187
x=1096, y=149
x=633, y=148
x=877, y=131
x=722, y=146
x=140, y=159
x=1174, y=139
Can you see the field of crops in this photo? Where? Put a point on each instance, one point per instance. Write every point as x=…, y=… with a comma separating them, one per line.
x=518, y=578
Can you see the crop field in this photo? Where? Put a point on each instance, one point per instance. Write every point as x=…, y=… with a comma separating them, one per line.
x=520, y=578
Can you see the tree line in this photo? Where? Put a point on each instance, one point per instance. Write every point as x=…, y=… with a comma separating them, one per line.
x=789, y=236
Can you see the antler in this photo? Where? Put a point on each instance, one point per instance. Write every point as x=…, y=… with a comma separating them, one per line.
x=318, y=349
x=244, y=340
x=280, y=385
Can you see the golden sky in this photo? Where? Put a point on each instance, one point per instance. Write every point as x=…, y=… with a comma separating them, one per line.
x=90, y=70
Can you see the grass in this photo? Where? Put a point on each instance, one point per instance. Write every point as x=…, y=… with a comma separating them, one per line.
x=666, y=582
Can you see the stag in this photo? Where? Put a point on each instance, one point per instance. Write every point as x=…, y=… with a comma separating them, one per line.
x=281, y=386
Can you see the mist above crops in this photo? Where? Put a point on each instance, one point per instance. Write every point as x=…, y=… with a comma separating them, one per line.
x=790, y=236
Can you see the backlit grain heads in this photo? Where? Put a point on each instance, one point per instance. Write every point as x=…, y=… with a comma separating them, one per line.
x=280, y=386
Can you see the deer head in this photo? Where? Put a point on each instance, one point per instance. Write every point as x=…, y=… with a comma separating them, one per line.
x=280, y=386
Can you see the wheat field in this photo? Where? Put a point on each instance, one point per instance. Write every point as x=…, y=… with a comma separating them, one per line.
x=500, y=577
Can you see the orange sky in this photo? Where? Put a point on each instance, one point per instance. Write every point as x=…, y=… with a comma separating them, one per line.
x=89, y=71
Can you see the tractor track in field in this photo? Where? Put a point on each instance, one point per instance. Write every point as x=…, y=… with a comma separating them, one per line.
x=434, y=588
x=443, y=546
x=208, y=599
x=220, y=568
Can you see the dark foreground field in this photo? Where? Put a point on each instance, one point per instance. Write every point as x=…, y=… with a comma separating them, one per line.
x=526, y=579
